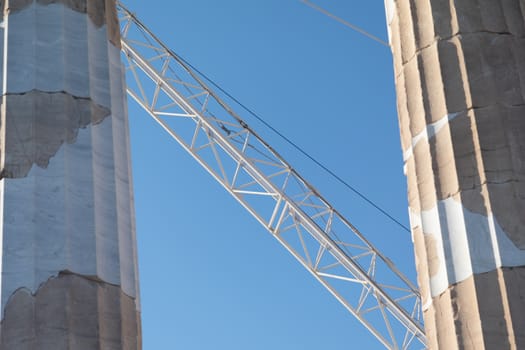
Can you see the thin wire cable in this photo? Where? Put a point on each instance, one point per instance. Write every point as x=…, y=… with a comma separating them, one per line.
x=297, y=147
x=346, y=23
x=290, y=142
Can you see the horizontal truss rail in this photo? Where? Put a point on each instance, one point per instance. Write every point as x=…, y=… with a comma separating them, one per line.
x=322, y=240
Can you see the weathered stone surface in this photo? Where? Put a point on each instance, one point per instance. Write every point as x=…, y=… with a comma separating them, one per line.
x=101, y=12
x=425, y=178
x=480, y=76
x=429, y=317
x=460, y=80
x=69, y=275
x=444, y=318
x=512, y=282
x=482, y=312
x=70, y=312
x=36, y=124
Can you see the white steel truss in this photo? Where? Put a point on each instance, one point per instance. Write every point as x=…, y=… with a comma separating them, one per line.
x=324, y=242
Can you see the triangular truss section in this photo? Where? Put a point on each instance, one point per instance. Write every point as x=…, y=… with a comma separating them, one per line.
x=322, y=240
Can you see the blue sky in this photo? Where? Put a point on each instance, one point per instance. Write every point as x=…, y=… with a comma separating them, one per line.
x=211, y=276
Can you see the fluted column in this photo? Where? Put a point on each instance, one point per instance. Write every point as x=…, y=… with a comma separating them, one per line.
x=69, y=262
x=460, y=81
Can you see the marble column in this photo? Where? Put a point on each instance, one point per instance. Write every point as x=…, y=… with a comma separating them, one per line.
x=460, y=80
x=69, y=260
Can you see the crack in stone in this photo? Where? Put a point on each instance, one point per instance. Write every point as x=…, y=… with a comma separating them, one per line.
x=59, y=275
x=50, y=92
x=480, y=185
x=438, y=39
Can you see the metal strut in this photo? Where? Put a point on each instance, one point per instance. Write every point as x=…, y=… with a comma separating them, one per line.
x=323, y=241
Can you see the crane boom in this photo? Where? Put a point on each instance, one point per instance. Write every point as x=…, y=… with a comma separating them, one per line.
x=316, y=234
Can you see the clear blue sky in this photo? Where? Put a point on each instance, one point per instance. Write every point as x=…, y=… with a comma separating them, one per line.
x=211, y=277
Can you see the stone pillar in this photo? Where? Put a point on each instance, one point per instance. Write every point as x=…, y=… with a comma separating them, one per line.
x=460, y=81
x=69, y=262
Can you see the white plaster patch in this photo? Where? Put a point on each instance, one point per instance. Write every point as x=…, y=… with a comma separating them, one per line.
x=468, y=243
x=431, y=226
x=390, y=8
x=454, y=240
x=390, y=11
x=406, y=155
x=53, y=48
x=415, y=221
x=427, y=304
x=430, y=131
